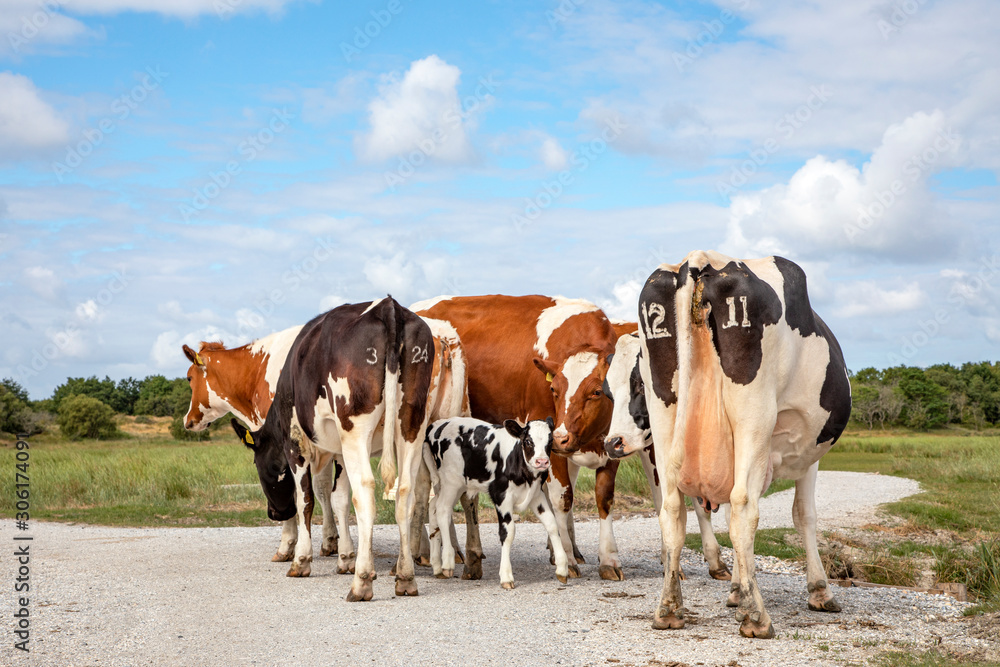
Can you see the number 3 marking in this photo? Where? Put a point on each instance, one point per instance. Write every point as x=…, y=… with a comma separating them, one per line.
x=374, y=358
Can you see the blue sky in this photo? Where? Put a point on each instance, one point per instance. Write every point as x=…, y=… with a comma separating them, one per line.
x=182, y=170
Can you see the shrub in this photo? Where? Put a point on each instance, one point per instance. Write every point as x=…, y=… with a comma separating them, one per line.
x=86, y=417
x=15, y=414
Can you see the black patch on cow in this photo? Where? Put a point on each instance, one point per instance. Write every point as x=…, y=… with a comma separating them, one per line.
x=798, y=313
x=660, y=329
x=473, y=444
x=503, y=520
x=637, y=397
x=338, y=470
x=739, y=347
x=835, y=396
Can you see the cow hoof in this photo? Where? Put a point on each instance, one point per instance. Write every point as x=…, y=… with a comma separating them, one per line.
x=574, y=571
x=670, y=620
x=422, y=561
x=345, y=564
x=611, y=573
x=825, y=605
x=579, y=556
x=459, y=558
x=734, y=596
x=758, y=630
x=361, y=593
x=722, y=574
x=473, y=566
x=282, y=558
x=562, y=579
x=297, y=569
x=445, y=574
x=507, y=585
x=406, y=587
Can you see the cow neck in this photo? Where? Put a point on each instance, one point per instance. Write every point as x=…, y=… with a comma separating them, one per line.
x=242, y=384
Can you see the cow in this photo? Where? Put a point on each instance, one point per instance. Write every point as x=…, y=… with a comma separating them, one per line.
x=532, y=357
x=242, y=380
x=348, y=370
x=510, y=462
x=630, y=428
x=743, y=382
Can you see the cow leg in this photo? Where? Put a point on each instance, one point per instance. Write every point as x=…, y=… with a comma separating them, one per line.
x=342, y=510
x=421, y=498
x=443, y=503
x=560, y=491
x=289, y=536
x=409, y=455
x=673, y=527
x=543, y=509
x=302, y=563
x=647, y=457
x=359, y=472
x=323, y=483
x=804, y=518
x=710, y=546
x=473, y=546
x=505, y=527
x=747, y=487
x=604, y=488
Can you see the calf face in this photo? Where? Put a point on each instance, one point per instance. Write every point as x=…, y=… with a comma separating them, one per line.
x=582, y=410
x=629, y=431
x=272, y=467
x=535, y=439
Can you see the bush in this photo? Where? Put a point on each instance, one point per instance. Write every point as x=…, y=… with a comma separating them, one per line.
x=15, y=415
x=86, y=417
x=178, y=431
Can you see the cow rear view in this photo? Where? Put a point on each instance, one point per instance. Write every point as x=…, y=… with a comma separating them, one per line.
x=743, y=382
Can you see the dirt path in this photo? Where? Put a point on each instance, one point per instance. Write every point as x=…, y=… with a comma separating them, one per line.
x=114, y=596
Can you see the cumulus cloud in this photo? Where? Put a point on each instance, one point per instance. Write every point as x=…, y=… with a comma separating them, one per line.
x=43, y=282
x=553, y=155
x=420, y=112
x=89, y=311
x=867, y=298
x=166, y=350
x=331, y=301
x=394, y=275
x=623, y=304
x=173, y=310
x=27, y=123
x=884, y=208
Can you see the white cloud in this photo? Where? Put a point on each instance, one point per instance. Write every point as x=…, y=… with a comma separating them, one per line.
x=166, y=351
x=395, y=275
x=178, y=8
x=331, y=301
x=885, y=208
x=89, y=311
x=173, y=310
x=420, y=112
x=27, y=24
x=553, y=155
x=43, y=282
x=866, y=298
x=622, y=305
x=27, y=123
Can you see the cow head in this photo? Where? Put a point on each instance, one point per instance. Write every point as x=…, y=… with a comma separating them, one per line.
x=272, y=468
x=582, y=410
x=203, y=410
x=535, y=438
x=629, y=430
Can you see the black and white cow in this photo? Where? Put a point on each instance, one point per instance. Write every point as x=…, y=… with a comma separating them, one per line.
x=347, y=371
x=510, y=462
x=629, y=431
x=743, y=382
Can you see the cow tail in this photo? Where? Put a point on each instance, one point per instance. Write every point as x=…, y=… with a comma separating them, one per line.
x=394, y=339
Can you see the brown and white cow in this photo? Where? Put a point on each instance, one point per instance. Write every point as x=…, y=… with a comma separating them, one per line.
x=743, y=382
x=533, y=357
x=242, y=380
x=347, y=371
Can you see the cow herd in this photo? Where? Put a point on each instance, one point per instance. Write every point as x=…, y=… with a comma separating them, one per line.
x=728, y=380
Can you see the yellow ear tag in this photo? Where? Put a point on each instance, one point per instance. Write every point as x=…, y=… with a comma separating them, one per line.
x=249, y=439
x=548, y=377
x=197, y=359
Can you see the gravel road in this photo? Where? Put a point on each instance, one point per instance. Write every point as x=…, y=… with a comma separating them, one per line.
x=186, y=596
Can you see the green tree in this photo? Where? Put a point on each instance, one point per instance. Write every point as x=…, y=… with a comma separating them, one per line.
x=16, y=416
x=102, y=390
x=86, y=417
x=125, y=396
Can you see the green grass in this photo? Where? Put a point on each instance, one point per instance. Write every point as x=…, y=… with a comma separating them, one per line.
x=767, y=542
x=929, y=659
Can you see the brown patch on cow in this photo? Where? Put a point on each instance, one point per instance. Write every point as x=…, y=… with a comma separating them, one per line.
x=238, y=376
x=652, y=459
x=707, y=471
x=560, y=472
x=624, y=328
x=604, y=487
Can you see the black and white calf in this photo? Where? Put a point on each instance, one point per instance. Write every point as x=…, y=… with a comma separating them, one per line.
x=510, y=462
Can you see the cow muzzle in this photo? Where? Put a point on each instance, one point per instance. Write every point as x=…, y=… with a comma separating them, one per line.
x=615, y=447
x=563, y=443
x=542, y=464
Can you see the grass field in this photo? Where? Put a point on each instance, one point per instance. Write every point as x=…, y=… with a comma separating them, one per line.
x=150, y=479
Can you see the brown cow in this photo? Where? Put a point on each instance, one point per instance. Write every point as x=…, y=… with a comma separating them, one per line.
x=532, y=357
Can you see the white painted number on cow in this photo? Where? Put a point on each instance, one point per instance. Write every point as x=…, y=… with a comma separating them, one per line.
x=659, y=314
x=374, y=358
x=419, y=354
x=731, y=301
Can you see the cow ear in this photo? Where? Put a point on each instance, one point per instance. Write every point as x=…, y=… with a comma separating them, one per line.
x=552, y=424
x=193, y=356
x=243, y=433
x=513, y=428
x=546, y=367
x=609, y=358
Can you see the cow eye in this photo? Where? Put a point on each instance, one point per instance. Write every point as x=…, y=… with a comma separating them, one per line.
x=597, y=393
x=189, y=378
